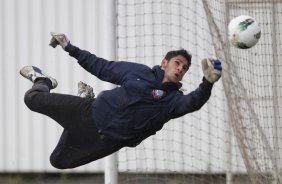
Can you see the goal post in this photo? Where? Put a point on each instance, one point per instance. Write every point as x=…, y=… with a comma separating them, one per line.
x=110, y=45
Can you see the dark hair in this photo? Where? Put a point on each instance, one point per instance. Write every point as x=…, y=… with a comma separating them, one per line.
x=181, y=52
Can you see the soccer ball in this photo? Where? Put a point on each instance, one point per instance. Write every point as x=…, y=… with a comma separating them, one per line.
x=243, y=32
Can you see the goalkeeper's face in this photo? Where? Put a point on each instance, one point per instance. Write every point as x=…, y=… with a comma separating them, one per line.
x=174, y=69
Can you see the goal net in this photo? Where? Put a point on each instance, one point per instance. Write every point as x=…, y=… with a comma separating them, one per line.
x=236, y=137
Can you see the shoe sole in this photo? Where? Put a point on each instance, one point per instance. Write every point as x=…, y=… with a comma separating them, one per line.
x=25, y=70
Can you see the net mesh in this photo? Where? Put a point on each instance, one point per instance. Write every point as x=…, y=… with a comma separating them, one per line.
x=236, y=136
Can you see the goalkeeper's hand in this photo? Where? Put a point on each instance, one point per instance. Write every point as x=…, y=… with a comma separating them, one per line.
x=59, y=39
x=211, y=69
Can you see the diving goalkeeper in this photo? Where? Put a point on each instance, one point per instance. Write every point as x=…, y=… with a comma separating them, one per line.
x=145, y=99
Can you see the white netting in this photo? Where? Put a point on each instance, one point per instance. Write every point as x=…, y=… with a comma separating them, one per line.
x=236, y=136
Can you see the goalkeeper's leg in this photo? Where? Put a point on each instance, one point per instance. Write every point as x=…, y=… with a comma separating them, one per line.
x=67, y=110
x=80, y=142
x=81, y=146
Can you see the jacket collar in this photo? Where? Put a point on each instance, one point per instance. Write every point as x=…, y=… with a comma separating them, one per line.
x=159, y=73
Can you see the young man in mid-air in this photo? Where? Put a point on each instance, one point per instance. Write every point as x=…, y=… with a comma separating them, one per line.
x=145, y=100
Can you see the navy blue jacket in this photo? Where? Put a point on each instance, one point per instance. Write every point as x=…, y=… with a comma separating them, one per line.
x=141, y=105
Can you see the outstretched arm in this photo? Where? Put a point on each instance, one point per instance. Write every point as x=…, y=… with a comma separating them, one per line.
x=196, y=99
x=193, y=101
x=110, y=71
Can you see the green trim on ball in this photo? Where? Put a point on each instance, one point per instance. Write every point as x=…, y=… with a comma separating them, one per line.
x=245, y=24
x=257, y=36
x=242, y=45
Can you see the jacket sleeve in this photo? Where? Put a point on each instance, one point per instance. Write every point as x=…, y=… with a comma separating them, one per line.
x=191, y=102
x=110, y=71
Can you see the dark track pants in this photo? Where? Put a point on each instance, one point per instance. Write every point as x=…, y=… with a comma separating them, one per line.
x=80, y=142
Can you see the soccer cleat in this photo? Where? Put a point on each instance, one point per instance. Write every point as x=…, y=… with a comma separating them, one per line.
x=32, y=73
x=85, y=91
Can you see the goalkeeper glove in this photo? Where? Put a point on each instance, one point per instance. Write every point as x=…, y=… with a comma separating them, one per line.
x=59, y=39
x=211, y=69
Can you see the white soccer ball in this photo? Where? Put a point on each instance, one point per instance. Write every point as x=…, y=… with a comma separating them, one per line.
x=244, y=32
